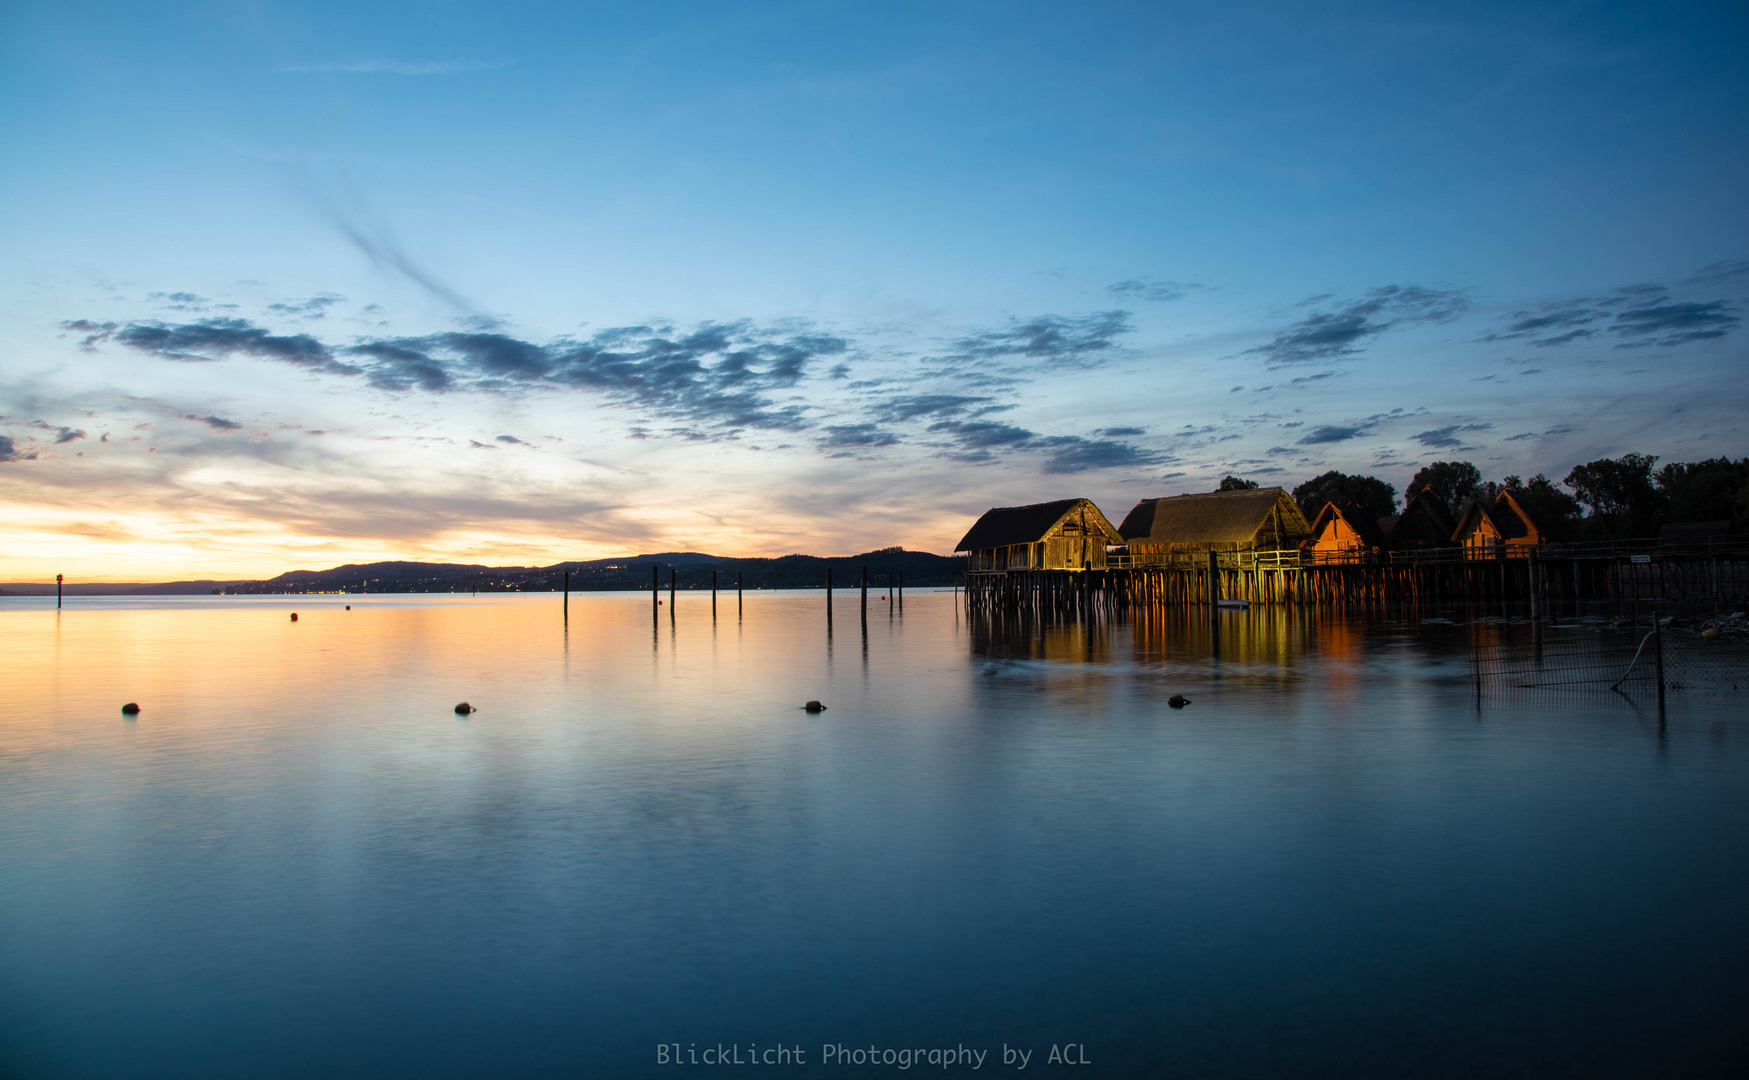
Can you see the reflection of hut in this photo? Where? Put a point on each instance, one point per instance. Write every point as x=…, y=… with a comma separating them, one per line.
x=1069, y=534
x=1185, y=527
x=1343, y=532
x=1424, y=523
x=1508, y=528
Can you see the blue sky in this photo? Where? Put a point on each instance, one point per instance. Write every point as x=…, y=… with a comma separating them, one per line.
x=509, y=284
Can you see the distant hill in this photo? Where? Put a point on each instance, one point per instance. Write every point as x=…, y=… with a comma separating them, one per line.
x=117, y=588
x=691, y=569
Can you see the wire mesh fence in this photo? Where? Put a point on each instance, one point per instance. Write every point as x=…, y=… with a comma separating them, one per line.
x=1624, y=655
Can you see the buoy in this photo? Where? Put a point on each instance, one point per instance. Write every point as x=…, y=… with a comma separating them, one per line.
x=131, y=709
x=1178, y=701
x=814, y=706
x=348, y=607
x=294, y=616
x=1711, y=633
x=464, y=709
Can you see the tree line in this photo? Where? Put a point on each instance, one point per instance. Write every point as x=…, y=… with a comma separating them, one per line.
x=1607, y=499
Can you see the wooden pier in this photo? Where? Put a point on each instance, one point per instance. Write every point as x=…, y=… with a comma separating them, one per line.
x=1627, y=571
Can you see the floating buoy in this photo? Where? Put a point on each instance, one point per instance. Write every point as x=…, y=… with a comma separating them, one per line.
x=1178, y=701
x=464, y=709
x=1711, y=633
x=348, y=607
x=131, y=709
x=294, y=616
x=814, y=706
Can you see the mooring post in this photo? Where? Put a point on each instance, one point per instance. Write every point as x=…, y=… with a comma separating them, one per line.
x=713, y=595
x=567, y=607
x=57, y=592
x=655, y=591
x=901, y=591
x=737, y=594
x=1533, y=573
x=865, y=596
x=1658, y=661
x=671, y=592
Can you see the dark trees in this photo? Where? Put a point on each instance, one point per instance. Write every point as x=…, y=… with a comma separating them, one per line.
x=1374, y=495
x=1234, y=483
x=1712, y=490
x=1452, y=482
x=1623, y=500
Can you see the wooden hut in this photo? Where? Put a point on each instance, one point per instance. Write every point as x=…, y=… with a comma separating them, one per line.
x=1184, y=528
x=1508, y=528
x=1069, y=534
x=1343, y=532
x=1424, y=523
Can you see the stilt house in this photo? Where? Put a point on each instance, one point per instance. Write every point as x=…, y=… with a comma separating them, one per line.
x=1507, y=529
x=1424, y=523
x=1069, y=534
x=1343, y=532
x=1184, y=528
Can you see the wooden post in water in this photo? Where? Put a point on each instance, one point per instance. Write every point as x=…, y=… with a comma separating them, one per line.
x=865, y=598
x=671, y=594
x=713, y=595
x=737, y=594
x=655, y=590
x=1214, y=584
x=567, y=607
x=1658, y=661
x=828, y=601
x=57, y=592
x=901, y=590
x=1533, y=573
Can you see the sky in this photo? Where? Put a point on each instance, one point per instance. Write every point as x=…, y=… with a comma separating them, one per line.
x=286, y=286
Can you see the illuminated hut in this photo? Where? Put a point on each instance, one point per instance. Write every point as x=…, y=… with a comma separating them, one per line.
x=1185, y=528
x=1508, y=528
x=1343, y=532
x=1424, y=523
x=1069, y=534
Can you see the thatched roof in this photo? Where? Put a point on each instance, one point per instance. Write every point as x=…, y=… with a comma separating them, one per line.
x=1007, y=525
x=1424, y=520
x=1364, y=524
x=1218, y=517
x=1529, y=514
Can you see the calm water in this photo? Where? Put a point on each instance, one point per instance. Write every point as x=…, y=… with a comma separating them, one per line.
x=298, y=861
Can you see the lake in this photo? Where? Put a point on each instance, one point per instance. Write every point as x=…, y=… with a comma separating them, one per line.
x=298, y=860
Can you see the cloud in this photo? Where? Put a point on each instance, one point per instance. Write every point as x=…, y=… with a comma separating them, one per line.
x=513, y=440
x=917, y=406
x=399, y=67
x=1441, y=438
x=1644, y=315
x=218, y=339
x=217, y=423
x=1120, y=432
x=1723, y=270
x=1329, y=433
x=844, y=436
x=979, y=440
x=67, y=435
x=9, y=451
x=1073, y=454
x=718, y=375
x=1674, y=323
x=312, y=308
x=1330, y=334
x=1074, y=341
x=1145, y=288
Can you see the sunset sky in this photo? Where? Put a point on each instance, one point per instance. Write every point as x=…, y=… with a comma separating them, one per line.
x=292, y=285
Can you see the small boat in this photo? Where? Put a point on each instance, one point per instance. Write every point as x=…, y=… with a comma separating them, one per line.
x=1233, y=603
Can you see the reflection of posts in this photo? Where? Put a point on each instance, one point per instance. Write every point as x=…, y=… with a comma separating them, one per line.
x=1214, y=581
